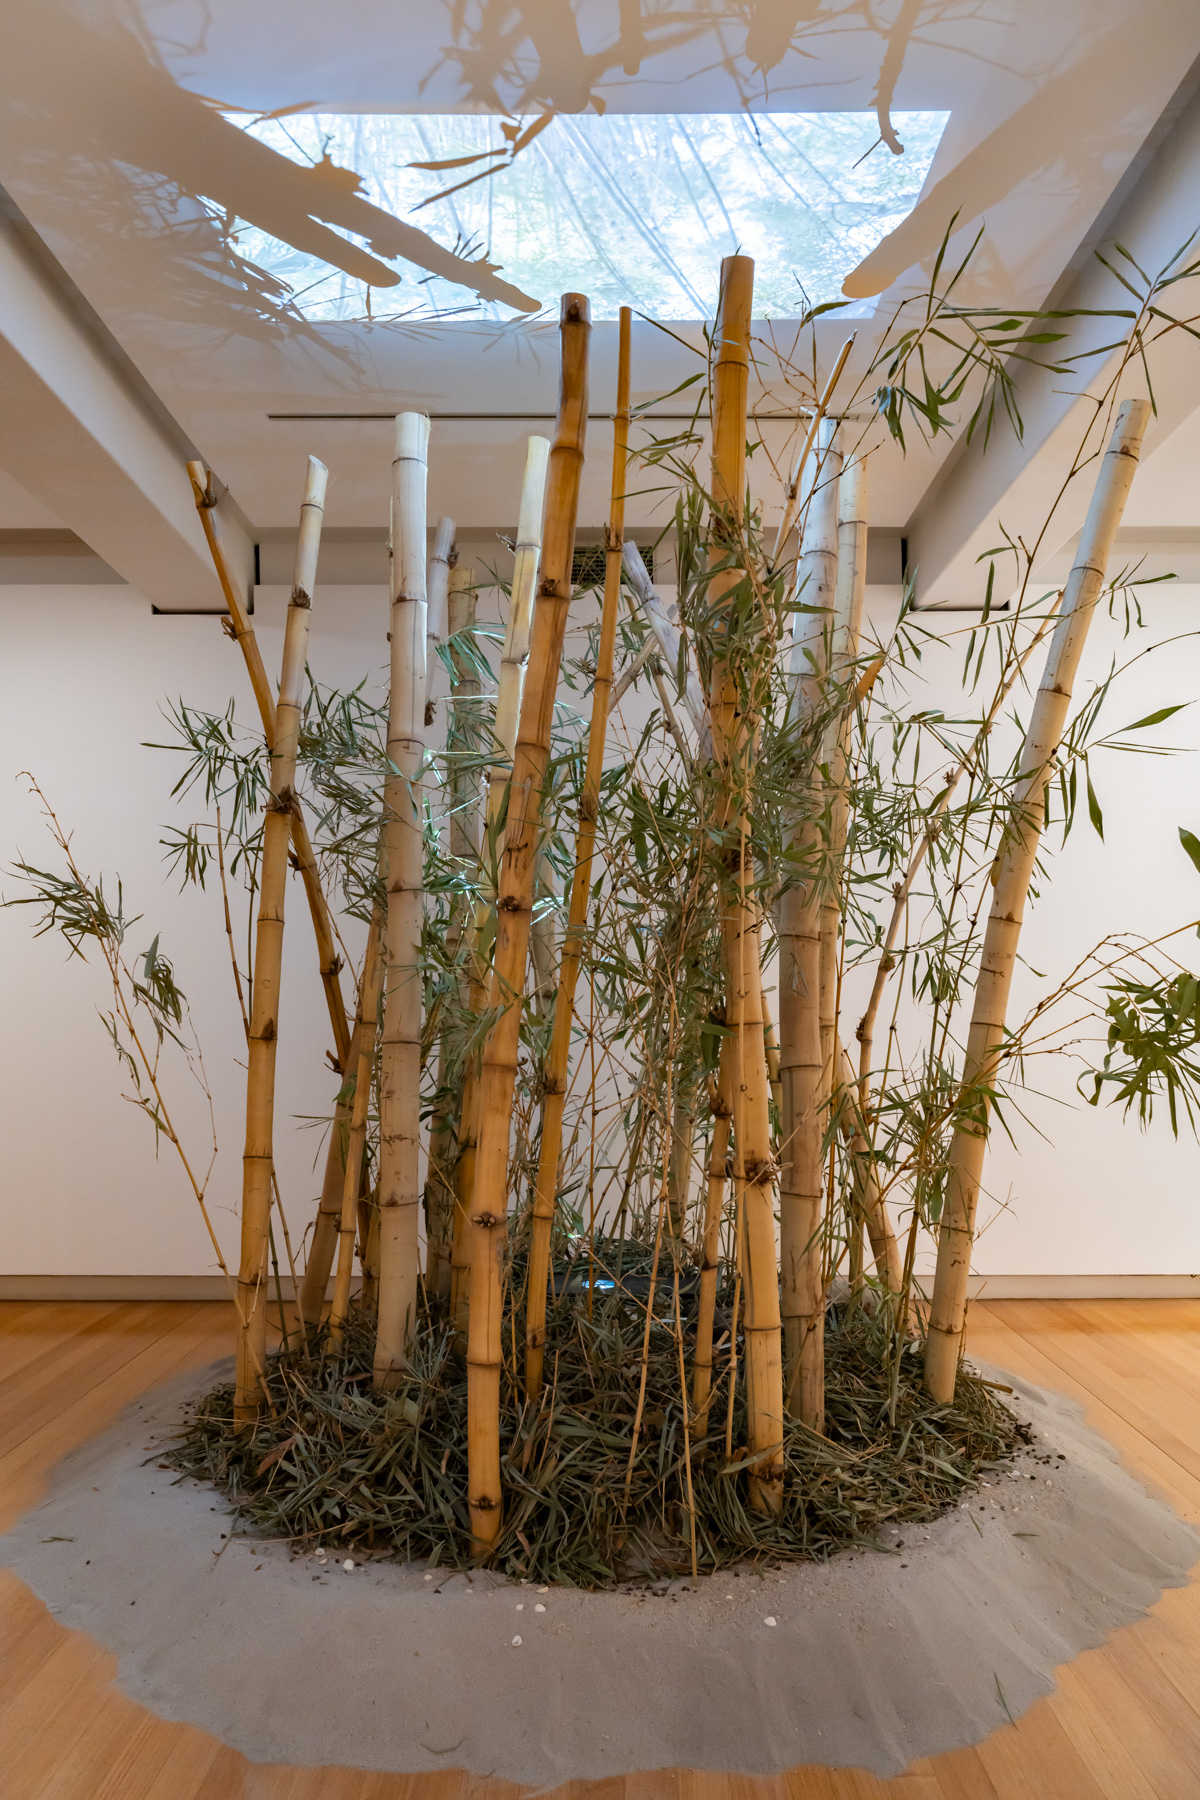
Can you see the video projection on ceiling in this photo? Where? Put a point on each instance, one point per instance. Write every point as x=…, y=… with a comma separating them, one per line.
x=637, y=209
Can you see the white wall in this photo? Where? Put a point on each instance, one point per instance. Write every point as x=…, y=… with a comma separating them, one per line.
x=82, y=677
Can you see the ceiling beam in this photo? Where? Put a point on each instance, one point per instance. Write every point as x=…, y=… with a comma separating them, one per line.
x=76, y=433
x=1009, y=483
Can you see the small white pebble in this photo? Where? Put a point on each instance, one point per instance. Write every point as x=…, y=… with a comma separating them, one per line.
x=539, y=1607
x=769, y=1621
x=349, y=1563
x=516, y=1643
x=520, y=1606
x=543, y=1590
x=429, y=1577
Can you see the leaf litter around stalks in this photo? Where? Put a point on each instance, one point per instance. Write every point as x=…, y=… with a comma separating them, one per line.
x=330, y=1462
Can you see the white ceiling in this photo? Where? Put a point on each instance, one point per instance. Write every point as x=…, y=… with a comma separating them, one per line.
x=104, y=144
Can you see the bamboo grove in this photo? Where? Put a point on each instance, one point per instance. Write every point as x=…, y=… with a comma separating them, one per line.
x=685, y=994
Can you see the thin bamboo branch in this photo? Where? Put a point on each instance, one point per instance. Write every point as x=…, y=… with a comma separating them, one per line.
x=258, y=1160
x=489, y=1203
x=243, y=633
x=404, y=878
x=1013, y=871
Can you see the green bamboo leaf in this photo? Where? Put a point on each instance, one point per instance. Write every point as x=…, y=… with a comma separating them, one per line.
x=1155, y=718
x=1191, y=844
x=1094, y=812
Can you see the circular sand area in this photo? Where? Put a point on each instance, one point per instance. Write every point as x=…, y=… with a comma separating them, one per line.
x=927, y=1644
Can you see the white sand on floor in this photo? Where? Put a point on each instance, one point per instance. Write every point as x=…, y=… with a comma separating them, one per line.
x=871, y=1660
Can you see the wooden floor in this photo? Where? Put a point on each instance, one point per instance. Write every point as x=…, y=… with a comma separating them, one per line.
x=1123, y=1724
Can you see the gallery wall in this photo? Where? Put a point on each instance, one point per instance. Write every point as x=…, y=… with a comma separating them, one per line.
x=85, y=674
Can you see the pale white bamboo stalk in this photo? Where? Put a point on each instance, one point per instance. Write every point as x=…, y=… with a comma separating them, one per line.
x=1013, y=871
x=258, y=1160
x=437, y=588
x=662, y=623
x=792, y=491
x=348, y=1224
x=805, y=1078
x=403, y=855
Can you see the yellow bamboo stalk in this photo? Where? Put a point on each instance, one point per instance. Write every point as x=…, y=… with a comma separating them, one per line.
x=557, y=1060
x=805, y=1074
x=714, y=1209
x=1012, y=874
x=679, y=1163
x=735, y=734
x=348, y=1223
x=465, y=797
x=404, y=880
x=489, y=1204
x=317, y=1269
x=513, y=657
x=258, y=1159
x=243, y=634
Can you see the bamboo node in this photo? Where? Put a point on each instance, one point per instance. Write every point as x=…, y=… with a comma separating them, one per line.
x=430, y=711
x=613, y=539
x=300, y=598
x=284, y=801
x=487, y=1220
x=267, y=1034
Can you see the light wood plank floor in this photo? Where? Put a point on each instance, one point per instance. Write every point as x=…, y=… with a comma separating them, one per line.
x=1123, y=1724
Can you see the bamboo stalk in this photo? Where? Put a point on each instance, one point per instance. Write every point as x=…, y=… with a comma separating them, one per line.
x=667, y=636
x=543, y=937
x=554, y=1073
x=348, y=1224
x=805, y=1074
x=513, y=657
x=258, y=1159
x=714, y=1209
x=489, y=1203
x=317, y=1269
x=679, y=1163
x=734, y=736
x=403, y=857
x=462, y=736
x=243, y=633
x=793, y=487
x=437, y=591
x=870, y=1205
x=1012, y=874
x=847, y=627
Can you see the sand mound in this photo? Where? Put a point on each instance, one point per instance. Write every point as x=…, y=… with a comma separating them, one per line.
x=871, y=1660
